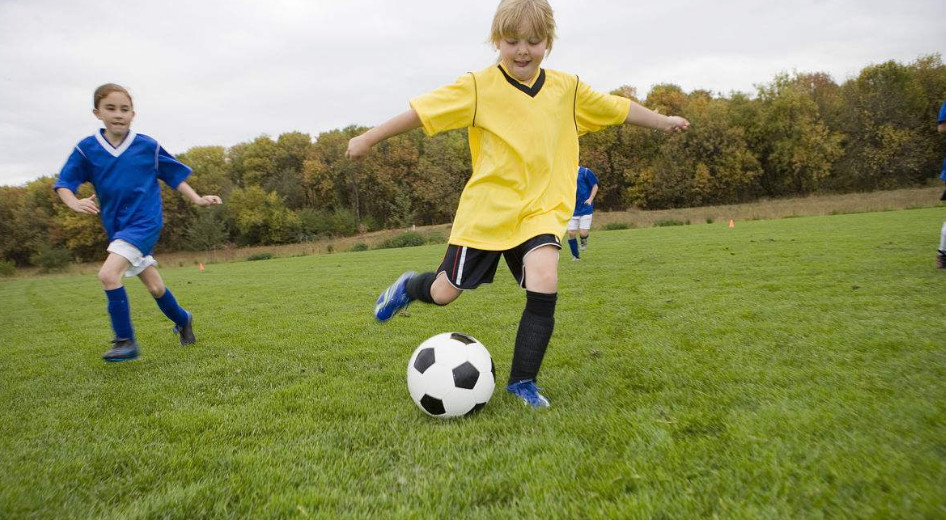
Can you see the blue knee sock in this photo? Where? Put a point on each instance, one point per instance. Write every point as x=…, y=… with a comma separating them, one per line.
x=573, y=245
x=120, y=313
x=171, y=309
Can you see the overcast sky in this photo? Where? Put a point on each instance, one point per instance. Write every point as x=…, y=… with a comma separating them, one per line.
x=224, y=72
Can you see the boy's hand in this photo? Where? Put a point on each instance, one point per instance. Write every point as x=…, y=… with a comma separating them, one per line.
x=676, y=124
x=208, y=200
x=86, y=206
x=358, y=147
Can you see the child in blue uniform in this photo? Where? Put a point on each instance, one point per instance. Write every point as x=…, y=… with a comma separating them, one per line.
x=523, y=125
x=124, y=167
x=580, y=223
x=941, y=254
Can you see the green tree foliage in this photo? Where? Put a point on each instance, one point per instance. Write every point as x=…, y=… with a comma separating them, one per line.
x=793, y=144
x=329, y=180
x=890, y=110
x=261, y=217
x=211, y=170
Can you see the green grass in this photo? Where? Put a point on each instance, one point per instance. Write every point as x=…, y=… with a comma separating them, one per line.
x=781, y=369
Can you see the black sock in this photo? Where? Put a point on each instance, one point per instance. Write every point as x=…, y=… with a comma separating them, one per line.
x=532, y=339
x=418, y=287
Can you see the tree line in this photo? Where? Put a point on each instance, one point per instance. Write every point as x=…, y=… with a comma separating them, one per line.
x=800, y=134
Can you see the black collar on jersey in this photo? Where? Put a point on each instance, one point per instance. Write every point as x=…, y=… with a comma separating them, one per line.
x=531, y=91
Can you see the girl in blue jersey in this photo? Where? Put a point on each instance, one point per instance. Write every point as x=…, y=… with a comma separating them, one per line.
x=124, y=167
x=580, y=224
x=941, y=253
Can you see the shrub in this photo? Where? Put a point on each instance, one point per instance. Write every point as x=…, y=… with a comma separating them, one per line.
x=612, y=226
x=436, y=237
x=408, y=239
x=208, y=231
x=344, y=223
x=7, y=268
x=51, y=258
x=315, y=223
x=359, y=246
x=709, y=220
x=670, y=222
x=265, y=255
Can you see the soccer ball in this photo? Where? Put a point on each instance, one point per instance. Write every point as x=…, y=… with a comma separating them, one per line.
x=450, y=375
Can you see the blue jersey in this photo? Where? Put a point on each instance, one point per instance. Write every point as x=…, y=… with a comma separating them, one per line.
x=126, y=184
x=941, y=120
x=586, y=182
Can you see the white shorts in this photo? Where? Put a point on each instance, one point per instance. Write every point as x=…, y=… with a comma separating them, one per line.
x=582, y=222
x=131, y=253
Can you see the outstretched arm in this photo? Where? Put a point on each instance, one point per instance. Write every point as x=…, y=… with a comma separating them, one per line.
x=642, y=116
x=206, y=200
x=594, y=191
x=86, y=205
x=359, y=146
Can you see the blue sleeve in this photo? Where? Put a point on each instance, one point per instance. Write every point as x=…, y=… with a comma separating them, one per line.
x=592, y=178
x=942, y=114
x=170, y=170
x=75, y=172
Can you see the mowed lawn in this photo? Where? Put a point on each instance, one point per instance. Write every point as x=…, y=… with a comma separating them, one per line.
x=790, y=368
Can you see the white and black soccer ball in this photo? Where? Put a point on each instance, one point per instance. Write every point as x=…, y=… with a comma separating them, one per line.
x=450, y=375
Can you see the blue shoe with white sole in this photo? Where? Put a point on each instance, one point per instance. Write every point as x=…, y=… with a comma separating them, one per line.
x=394, y=299
x=529, y=393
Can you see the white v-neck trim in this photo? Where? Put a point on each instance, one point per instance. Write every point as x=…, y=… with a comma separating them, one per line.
x=111, y=149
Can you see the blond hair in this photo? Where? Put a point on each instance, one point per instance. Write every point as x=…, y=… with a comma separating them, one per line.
x=511, y=15
x=105, y=90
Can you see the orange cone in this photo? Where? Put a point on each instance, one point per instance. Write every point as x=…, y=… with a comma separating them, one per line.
x=731, y=223
x=201, y=266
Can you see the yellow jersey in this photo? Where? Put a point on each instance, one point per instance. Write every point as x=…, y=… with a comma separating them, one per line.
x=524, y=144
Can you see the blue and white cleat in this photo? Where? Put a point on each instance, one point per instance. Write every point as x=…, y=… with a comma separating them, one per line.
x=122, y=350
x=393, y=299
x=529, y=393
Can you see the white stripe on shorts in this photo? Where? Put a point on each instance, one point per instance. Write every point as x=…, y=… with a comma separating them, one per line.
x=460, y=269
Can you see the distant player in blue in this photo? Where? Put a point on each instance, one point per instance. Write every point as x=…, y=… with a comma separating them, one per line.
x=124, y=167
x=580, y=223
x=941, y=254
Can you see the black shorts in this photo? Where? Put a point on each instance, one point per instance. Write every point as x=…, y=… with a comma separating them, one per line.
x=467, y=267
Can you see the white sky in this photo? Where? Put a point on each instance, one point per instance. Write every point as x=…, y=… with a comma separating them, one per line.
x=221, y=72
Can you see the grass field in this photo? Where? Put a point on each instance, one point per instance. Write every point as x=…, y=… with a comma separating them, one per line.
x=789, y=368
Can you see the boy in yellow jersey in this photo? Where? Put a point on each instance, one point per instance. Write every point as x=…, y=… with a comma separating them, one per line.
x=523, y=123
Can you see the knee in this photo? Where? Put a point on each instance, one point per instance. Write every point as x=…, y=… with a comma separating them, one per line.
x=110, y=280
x=543, y=280
x=443, y=293
x=156, y=289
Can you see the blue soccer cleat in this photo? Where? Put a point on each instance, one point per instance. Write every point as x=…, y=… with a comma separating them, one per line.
x=186, y=332
x=122, y=350
x=529, y=393
x=393, y=299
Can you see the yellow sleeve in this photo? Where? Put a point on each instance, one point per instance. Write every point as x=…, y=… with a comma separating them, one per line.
x=594, y=110
x=447, y=108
